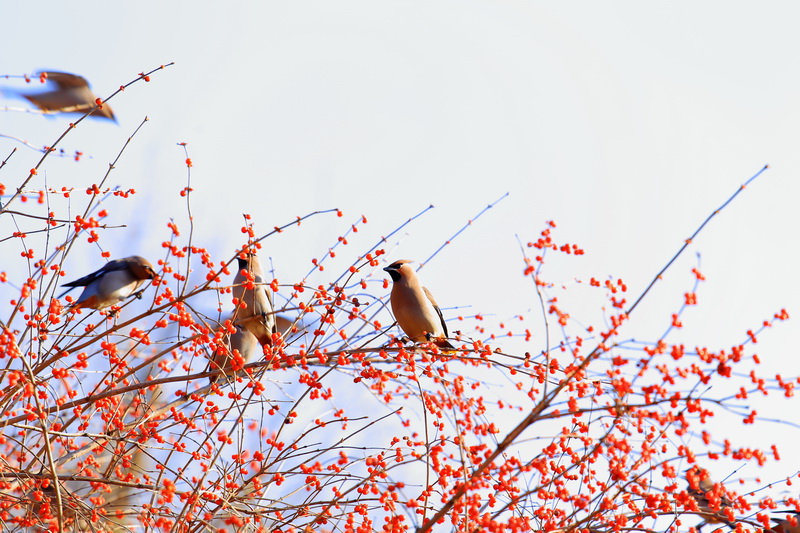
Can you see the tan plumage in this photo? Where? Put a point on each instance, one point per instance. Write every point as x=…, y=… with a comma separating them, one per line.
x=414, y=308
x=710, y=497
x=71, y=95
x=242, y=347
x=111, y=284
x=286, y=325
x=258, y=314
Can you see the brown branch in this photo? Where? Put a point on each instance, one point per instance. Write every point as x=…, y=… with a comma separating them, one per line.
x=534, y=415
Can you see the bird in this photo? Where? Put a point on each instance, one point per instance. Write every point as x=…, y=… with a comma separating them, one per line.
x=417, y=313
x=71, y=95
x=110, y=285
x=257, y=315
x=710, y=497
x=241, y=344
x=787, y=524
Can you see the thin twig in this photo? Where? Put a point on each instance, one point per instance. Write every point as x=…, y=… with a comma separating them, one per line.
x=71, y=126
x=535, y=413
x=461, y=230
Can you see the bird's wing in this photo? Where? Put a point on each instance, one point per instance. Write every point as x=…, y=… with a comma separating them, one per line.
x=267, y=311
x=272, y=310
x=269, y=314
x=70, y=95
x=438, y=311
x=111, y=266
x=65, y=80
x=784, y=525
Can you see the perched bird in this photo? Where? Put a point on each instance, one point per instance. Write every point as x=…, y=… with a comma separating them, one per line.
x=258, y=316
x=416, y=311
x=111, y=284
x=242, y=345
x=710, y=497
x=71, y=95
x=246, y=343
x=787, y=524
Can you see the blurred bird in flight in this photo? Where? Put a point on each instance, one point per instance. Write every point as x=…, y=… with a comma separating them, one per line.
x=71, y=94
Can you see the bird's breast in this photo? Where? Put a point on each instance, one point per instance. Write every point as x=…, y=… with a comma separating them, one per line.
x=118, y=285
x=415, y=314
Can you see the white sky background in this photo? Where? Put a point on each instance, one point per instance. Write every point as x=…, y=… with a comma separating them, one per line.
x=626, y=122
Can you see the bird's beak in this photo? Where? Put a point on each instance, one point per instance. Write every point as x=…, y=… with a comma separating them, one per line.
x=387, y=269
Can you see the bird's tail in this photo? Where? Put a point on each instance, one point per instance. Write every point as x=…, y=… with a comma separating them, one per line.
x=65, y=292
x=445, y=345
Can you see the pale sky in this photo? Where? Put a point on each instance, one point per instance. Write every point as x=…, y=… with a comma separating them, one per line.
x=626, y=122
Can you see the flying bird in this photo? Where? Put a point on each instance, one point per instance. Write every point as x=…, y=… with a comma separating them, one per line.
x=710, y=497
x=241, y=344
x=413, y=306
x=258, y=314
x=71, y=95
x=111, y=284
